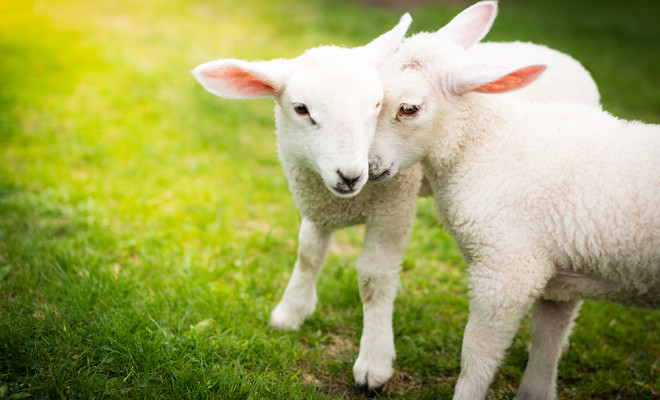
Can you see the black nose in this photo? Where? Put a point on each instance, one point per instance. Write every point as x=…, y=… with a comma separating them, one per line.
x=348, y=181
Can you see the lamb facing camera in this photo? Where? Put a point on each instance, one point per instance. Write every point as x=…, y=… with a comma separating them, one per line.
x=327, y=103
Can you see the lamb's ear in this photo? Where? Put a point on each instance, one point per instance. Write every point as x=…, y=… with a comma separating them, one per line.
x=238, y=79
x=385, y=45
x=472, y=24
x=491, y=79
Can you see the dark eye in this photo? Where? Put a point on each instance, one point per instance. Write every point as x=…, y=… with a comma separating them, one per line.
x=408, y=109
x=300, y=109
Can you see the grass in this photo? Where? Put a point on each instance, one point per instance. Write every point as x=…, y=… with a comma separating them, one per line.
x=146, y=230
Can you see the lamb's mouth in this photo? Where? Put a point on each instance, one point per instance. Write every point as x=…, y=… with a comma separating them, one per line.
x=344, y=192
x=377, y=171
x=380, y=176
x=342, y=189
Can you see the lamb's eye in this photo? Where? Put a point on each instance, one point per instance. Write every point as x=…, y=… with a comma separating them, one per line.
x=300, y=109
x=408, y=109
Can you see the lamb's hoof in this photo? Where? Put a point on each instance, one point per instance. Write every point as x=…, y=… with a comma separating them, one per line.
x=364, y=389
x=283, y=320
x=372, y=373
x=287, y=318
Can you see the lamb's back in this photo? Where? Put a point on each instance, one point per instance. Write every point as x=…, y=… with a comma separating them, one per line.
x=576, y=182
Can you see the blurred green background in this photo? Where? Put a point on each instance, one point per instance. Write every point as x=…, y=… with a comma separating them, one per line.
x=146, y=229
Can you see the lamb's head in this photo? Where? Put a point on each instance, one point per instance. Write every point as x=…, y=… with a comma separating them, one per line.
x=327, y=103
x=426, y=83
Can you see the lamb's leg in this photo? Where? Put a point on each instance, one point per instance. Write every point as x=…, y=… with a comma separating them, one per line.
x=299, y=299
x=551, y=325
x=501, y=294
x=378, y=277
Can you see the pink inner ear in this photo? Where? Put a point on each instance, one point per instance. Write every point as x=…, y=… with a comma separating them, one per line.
x=512, y=81
x=241, y=81
x=477, y=29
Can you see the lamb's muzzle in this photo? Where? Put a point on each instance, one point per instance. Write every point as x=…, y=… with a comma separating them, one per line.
x=347, y=184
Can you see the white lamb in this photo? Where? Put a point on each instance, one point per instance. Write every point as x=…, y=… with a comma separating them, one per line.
x=549, y=203
x=327, y=102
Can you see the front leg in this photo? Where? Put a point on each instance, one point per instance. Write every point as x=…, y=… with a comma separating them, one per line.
x=378, y=270
x=299, y=299
x=501, y=293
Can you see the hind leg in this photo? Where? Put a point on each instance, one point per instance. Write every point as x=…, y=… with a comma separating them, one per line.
x=551, y=325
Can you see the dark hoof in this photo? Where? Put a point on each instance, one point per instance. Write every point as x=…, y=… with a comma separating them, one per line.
x=364, y=389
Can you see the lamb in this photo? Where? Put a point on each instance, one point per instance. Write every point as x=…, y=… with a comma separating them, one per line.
x=314, y=140
x=327, y=101
x=550, y=203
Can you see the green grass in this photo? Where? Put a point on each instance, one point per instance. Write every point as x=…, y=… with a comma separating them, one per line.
x=146, y=230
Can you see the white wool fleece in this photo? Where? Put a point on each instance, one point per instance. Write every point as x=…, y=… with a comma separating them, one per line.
x=549, y=202
x=341, y=91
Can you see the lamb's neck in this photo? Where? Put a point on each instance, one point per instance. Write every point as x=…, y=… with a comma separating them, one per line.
x=474, y=120
x=463, y=136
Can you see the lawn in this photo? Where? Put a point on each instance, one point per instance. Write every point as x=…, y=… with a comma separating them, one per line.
x=146, y=228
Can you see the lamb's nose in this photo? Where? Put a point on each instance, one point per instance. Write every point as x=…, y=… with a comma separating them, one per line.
x=348, y=180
